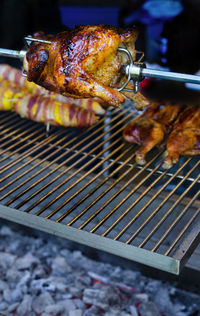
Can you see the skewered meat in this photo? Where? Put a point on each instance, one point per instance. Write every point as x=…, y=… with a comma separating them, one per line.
x=150, y=128
x=15, y=79
x=46, y=110
x=82, y=63
x=185, y=136
x=15, y=75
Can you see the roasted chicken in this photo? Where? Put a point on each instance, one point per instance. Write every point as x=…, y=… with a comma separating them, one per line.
x=185, y=136
x=150, y=128
x=83, y=62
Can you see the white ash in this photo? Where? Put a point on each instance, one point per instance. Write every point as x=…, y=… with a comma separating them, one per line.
x=40, y=276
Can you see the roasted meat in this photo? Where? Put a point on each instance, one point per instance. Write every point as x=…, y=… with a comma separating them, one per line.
x=150, y=128
x=14, y=79
x=185, y=136
x=9, y=93
x=83, y=62
x=41, y=109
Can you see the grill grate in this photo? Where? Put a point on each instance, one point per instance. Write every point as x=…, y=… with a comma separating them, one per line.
x=85, y=186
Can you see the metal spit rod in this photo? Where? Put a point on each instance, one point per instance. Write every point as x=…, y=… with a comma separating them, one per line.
x=135, y=71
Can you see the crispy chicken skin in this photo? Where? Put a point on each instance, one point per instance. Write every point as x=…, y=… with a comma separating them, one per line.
x=185, y=136
x=150, y=128
x=82, y=63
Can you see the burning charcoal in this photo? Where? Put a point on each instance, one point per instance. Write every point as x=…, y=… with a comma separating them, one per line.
x=92, y=311
x=131, y=277
x=76, y=312
x=3, y=306
x=75, y=291
x=26, y=262
x=7, y=295
x=68, y=305
x=42, y=285
x=141, y=297
x=41, y=301
x=163, y=301
x=54, y=309
x=60, y=266
x=79, y=303
x=82, y=281
x=3, y=285
x=6, y=260
x=13, y=275
x=6, y=231
x=98, y=277
x=101, y=298
x=25, y=306
x=13, y=307
x=148, y=309
x=133, y=310
x=16, y=295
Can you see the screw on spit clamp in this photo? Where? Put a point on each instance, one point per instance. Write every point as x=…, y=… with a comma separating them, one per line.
x=133, y=70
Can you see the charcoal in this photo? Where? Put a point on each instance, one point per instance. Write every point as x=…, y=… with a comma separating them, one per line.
x=41, y=302
x=13, y=307
x=26, y=262
x=6, y=260
x=16, y=295
x=149, y=309
x=68, y=305
x=54, y=309
x=133, y=310
x=60, y=267
x=25, y=306
x=40, y=276
x=76, y=312
x=3, y=306
x=3, y=285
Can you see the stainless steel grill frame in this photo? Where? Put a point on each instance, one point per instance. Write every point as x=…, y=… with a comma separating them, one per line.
x=85, y=186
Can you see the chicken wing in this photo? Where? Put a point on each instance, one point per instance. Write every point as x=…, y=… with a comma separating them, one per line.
x=82, y=62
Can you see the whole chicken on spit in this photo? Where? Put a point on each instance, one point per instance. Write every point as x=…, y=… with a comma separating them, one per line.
x=83, y=62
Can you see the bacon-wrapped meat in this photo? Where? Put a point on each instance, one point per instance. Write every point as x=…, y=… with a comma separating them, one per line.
x=41, y=109
x=14, y=75
x=10, y=92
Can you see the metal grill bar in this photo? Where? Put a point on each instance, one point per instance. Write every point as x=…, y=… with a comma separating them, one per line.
x=86, y=185
x=160, y=205
x=64, y=171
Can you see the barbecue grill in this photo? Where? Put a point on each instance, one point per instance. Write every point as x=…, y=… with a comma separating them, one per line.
x=84, y=185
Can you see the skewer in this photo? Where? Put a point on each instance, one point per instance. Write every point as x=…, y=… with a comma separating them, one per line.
x=135, y=70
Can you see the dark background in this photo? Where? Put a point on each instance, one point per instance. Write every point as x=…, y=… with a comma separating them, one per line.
x=172, y=42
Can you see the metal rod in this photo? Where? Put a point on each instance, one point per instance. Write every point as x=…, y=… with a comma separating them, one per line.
x=164, y=201
x=110, y=199
x=67, y=169
x=12, y=53
x=32, y=39
x=149, y=202
x=99, y=185
x=63, y=163
x=185, y=228
x=176, y=221
x=146, y=72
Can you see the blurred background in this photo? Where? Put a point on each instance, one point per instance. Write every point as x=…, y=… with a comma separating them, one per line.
x=169, y=29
